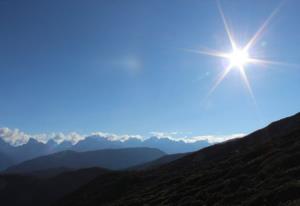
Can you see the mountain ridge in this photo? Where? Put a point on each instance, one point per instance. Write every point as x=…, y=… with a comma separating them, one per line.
x=33, y=148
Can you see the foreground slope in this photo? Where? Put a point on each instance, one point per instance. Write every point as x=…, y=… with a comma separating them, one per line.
x=17, y=190
x=262, y=168
x=114, y=159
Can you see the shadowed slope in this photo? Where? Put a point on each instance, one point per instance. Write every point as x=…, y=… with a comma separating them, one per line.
x=262, y=168
x=158, y=162
x=30, y=190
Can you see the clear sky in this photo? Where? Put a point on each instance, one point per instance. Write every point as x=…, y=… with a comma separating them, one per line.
x=121, y=66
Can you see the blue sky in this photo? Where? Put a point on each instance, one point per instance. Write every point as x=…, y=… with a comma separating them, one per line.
x=121, y=67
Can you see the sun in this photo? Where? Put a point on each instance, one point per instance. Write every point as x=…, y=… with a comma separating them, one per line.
x=238, y=58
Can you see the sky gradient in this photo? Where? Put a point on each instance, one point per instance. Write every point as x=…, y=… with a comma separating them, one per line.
x=119, y=67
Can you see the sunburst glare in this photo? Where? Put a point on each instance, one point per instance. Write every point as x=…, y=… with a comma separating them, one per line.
x=238, y=57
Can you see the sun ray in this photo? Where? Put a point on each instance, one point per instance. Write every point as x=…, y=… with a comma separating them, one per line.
x=261, y=29
x=209, y=53
x=250, y=91
x=247, y=83
x=220, y=79
x=271, y=62
x=230, y=36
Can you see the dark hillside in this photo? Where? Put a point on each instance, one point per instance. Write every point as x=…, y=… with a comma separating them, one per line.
x=29, y=190
x=262, y=168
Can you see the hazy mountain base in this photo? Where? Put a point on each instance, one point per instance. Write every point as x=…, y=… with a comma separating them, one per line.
x=114, y=159
x=260, y=169
x=158, y=162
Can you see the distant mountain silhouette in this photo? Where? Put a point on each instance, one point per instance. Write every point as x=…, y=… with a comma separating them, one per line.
x=165, y=144
x=172, y=147
x=65, y=145
x=30, y=150
x=262, y=168
x=114, y=159
x=96, y=143
x=4, y=147
x=5, y=161
x=11, y=155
